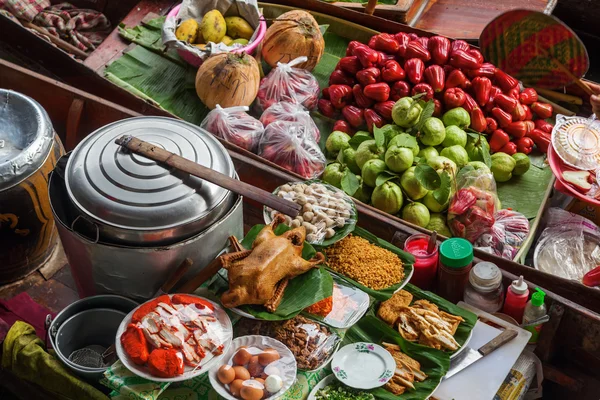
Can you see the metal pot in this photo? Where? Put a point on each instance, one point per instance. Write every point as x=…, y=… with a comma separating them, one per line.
x=29, y=149
x=128, y=199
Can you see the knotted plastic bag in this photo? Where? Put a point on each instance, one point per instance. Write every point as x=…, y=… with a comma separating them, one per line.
x=235, y=126
x=285, y=111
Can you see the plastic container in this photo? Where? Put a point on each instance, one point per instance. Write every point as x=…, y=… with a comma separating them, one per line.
x=425, y=266
x=535, y=309
x=456, y=261
x=516, y=299
x=485, y=290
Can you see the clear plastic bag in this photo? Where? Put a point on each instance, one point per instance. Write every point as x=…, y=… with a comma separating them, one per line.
x=326, y=210
x=569, y=246
x=472, y=207
x=506, y=235
x=292, y=146
x=286, y=83
x=235, y=126
x=286, y=111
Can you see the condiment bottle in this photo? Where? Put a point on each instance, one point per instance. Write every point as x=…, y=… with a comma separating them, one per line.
x=425, y=266
x=485, y=290
x=456, y=260
x=516, y=299
x=535, y=309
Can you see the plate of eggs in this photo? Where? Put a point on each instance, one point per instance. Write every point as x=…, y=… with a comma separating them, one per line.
x=255, y=368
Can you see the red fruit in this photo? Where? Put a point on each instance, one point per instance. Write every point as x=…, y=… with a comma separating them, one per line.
x=504, y=119
x=509, y=148
x=478, y=121
x=384, y=58
x=339, y=77
x=403, y=41
x=460, y=45
x=386, y=42
x=377, y=91
x=542, y=110
x=486, y=70
x=477, y=54
x=482, y=87
x=340, y=95
x=470, y=103
x=498, y=140
x=505, y=102
x=524, y=145
x=368, y=76
x=505, y=81
x=519, y=113
x=367, y=56
x=399, y=90
x=517, y=129
x=456, y=78
x=424, y=41
x=514, y=93
x=385, y=109
x=416, y=50
x=353, y=45
x=437, y=111
x=454, y=97
x=544, y=126
x=372, y=42
x=439, y=48
x=448, y=68
x=541, y=139
x=343, y=126
x=464, y=60
x=373, y=119
x=414, y=68
x=530, y=126
x=359, y=97
x=528, y=96
x=462, y=201
x=528, y=114
x=326, y=108
x=592, y=278
x=423, y=88
x=392, y=72
x=436, y=77
x=325, y=93
x=350, y=65
x=467, y=87
x=492, y=125
x=354, y=116
x=413, y=36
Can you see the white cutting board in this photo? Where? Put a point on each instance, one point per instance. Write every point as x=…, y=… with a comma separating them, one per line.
x=482, y=380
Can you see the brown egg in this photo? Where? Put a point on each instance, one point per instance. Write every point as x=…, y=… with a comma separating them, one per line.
x=235, y=387
x=268, y=356
x=226, y=374
x=252, y=390
x=254, y=367
x=260, y=380
x=241, y=373
x=242, y=356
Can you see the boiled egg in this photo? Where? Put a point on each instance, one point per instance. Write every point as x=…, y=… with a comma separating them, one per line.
x=254, y=367
x=273, y=383
x=268, y=356
x=226, y=374
x=271, y=369
x=260, y=380
x=242, y=357
x=252, y=390
x=241, y=373
x=235, y=387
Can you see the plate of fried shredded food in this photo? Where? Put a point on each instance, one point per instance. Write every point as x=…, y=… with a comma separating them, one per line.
x=173, y=338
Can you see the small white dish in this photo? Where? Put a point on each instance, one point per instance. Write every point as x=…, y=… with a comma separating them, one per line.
x=328, y=380
x=363, y=365
x=286, y=364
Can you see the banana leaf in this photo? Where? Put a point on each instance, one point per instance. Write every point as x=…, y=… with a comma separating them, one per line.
x=407, y=261
x=301, y=292
x=433, y=362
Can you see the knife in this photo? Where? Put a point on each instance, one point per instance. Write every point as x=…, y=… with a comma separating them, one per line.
x=468, y=356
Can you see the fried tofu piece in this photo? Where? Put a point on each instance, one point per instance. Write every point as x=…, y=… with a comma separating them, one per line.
x=390, y=310
x=394, y=388
x=426, y=305
x=454, y=320
x=407, y=329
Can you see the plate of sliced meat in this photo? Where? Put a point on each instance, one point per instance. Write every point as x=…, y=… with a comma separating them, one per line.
x=173, y=338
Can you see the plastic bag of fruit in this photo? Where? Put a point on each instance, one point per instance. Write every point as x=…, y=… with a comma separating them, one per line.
x=292, y=146
x=286, y=83
x=286, y=111
x=235, y=126
x=472, y=207
x=506, y=236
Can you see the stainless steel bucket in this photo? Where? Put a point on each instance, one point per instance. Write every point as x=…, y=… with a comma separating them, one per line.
x=135, y=272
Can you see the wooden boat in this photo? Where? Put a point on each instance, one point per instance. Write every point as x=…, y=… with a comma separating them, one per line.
x=568, y=346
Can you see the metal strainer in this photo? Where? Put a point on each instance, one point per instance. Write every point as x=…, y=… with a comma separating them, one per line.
x=93, y=356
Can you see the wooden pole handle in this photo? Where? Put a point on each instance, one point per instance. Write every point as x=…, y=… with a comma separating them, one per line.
x=160, y=155
x=66, y=46
x=564, y=69
x=177, y=275
x=370, y=9
x=498, y=341
x=202, y=276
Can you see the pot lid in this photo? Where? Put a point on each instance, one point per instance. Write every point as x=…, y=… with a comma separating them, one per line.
x=129, y=191
x=26, y=137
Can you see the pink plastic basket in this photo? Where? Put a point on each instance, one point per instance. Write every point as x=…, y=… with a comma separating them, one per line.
x=558, y=166
x=196, y=61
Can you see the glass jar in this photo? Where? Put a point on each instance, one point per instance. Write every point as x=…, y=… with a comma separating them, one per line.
x=484, y=289
x=425, y=266
x=456, y=260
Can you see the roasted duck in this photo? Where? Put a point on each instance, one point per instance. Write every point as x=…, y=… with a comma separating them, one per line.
x=260, y=275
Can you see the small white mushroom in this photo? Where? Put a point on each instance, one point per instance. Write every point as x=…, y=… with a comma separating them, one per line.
x=329, y=222
x=311, y=199
x=340, y=222
x=320, y=215
x=273, y=214
x=311, y=238
x=288, y=220
x=301, y=199
x=329, y=233
x=307, y=207
x=298, y=189
x=310, y=228
x=295, y=223
x=308, y=216
x=331, y=212
x=286, y=188
x=345, y=214
x=309, y=190
x=323, y=200
x=300, y=219
x=339, y=195
x=321, y=226
x=281, y=193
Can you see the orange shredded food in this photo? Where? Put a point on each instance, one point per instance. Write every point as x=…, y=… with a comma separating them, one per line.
x=322, y=308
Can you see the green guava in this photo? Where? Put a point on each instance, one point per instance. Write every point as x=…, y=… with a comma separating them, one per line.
x=455, y=136
x=432, y=204
x=475, y=148
x=456, y=153
x=502, y=166
x=363, y=193
x=441, y=163
x=350, y=160
x=437, y=222
x=366, y=151
x=405, y=140
x=390, y=131
x=478, y=165
x=433, y=132
x=387, y=197
x=336, y=142
x=371, y=169
x=399, y=159
x=411, y=185
x=428, y=152
x=333, y=174
x=406, y=112
x=416, y=213
x=457, y=116
x=522, y=165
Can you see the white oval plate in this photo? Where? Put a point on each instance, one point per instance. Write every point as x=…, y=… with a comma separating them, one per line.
x=363, y=365
x=328, y=380
x=188, y=372
x=286, y=364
